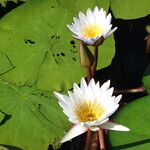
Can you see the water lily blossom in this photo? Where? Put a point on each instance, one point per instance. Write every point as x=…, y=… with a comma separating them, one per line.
x=89, y=107
x=93, y=26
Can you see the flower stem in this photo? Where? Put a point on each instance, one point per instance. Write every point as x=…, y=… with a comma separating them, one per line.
x=94, y=140
x=94, y=65
x=148, y=44
x=101, y=139
x=87, y=142
x=88, y=74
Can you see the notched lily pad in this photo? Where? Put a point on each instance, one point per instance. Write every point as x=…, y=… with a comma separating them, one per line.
x=40, y=45
x=34, y=122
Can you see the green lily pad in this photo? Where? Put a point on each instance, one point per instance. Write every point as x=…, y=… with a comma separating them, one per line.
x=32, y=121
x=4, y=2
x=5, y=64
x=8, y=147
x=35, y=38
x=2, y=116
x=146, y=79
x=106, y=52
x=135, y=116
x=130, y=9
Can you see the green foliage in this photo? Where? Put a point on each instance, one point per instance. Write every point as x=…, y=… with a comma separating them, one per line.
x=29, y=120
x=2, y=116
x=146, y=79
x=4, y=2
x=37, y=49
x=5, y=63
x=40, y=46
x=130, y=9
x=136, y=117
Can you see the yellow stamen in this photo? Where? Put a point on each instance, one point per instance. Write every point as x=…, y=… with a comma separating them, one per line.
x=89, y=111
x=92, y=31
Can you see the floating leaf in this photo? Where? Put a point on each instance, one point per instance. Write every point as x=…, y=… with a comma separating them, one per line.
x=136, y=117
x=35, y=38
x=5, y=64
x=2, y=116
x=146, y=79
x=34, y=121
x=130, y=9
x=4, y=2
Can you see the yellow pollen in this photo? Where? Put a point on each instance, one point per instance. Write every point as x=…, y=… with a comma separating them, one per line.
x=92, y=31
x=89, y=111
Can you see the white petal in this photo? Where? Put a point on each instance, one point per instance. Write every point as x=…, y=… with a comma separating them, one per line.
x=101, y=121
x=110, y=32
x=110, y=110
x=114, y=126
x=61, y=97
x=73, y=120
x=106, y=85
x=65, y=103
x=85, y=40
x=107, y=29
x=83, y=86
x=76, y=21
x=94, y=123
x=118, y=98
x=73, y=29
x=68, y=113
x=89, y=41
x=102, y=14
x=94, y=128
x=97, y=85
x=77, y=29
x=90, y=16
x=110, y=92
x=108, y=19
x=76, y=130
x=77, y=24
x=92, y=83
x=82, y=18
x=96, y=10
x=77, y=90
x=73, y=97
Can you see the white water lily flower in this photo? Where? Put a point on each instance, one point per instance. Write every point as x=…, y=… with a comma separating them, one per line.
x=89, y=107
x=91, y=27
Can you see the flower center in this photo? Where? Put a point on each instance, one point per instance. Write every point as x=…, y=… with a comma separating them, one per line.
x=89, y=111
x=92, y=31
